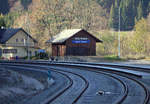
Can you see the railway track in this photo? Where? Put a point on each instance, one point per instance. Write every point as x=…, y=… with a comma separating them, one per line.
x=126, y=90
x=75, y=100
x=47, y=100
x=121, y=66
x=65, y=73
x=147, y=94
x=81, y=93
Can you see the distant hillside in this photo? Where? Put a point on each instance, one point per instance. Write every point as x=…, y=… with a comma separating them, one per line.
x=7, y=5
x=46, y=18
x=4, y=6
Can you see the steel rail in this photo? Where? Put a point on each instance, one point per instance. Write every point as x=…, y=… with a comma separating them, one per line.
x=124, y=85
x=128, y=68
x=122, y=82
x=146, y=100
x=84, y=89
x=123, y=66
x=47, y=101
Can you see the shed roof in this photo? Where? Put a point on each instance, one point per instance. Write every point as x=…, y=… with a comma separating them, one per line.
x=6, y=34
x=66, y=34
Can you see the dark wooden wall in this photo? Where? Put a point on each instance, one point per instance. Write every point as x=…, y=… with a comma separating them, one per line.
x=76, y=49
x=81, y=49
x=58, y=50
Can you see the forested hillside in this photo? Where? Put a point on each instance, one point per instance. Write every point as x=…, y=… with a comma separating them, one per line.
x=7, y=5
x=45, y=18
x=4, y=6
x=130, y=10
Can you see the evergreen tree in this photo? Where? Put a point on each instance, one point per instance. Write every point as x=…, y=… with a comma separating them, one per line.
x=105, y=3
x=130, y=14
x=123, y=14
x=148, y=8
x=145, y=4
x=2, y=21
x=139, y=11
x=4, y=6
x=113, y=20
x=25, y=3
x=127, y=14
x=116, y=17
x=131, y=11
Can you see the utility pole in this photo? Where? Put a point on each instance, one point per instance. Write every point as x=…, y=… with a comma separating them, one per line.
x=27, y=26
x=119, y=35
x=28, y=46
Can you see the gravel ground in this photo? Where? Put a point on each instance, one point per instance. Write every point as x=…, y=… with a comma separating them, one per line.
x=100, y=59
x=17, y=85
x=40, y=95
x=136, y=62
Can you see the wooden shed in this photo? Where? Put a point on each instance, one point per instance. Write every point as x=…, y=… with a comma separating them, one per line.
x=74, y=42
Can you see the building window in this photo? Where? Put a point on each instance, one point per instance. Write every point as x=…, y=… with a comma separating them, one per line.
x=17, y=40
x=30, y=53
x=36, y=53
x=22, y=40
x=7, y=51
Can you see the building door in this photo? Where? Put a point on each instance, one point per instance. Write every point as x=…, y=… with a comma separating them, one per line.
x=58, y=51
x=30, y=53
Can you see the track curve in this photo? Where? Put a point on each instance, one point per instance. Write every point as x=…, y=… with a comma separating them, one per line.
x=121, y=101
